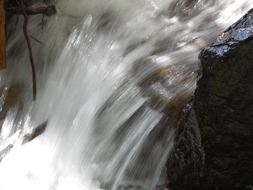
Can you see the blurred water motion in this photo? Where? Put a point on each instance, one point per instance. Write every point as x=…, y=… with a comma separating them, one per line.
x=112, y=77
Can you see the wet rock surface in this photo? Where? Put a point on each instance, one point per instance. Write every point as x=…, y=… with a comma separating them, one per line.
x=214, y=144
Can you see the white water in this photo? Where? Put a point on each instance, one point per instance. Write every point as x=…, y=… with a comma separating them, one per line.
x=102, y=130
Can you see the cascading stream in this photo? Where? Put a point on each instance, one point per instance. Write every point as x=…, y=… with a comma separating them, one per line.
x=109, y=76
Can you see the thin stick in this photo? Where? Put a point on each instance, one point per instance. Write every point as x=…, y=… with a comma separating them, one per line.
x=35, y=9
x=36, y=40
x=29, y=46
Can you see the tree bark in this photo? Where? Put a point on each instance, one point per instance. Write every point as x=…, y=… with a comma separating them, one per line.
x=2, y=36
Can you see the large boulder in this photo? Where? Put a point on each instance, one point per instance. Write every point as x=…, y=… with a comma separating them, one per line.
x=214, y=143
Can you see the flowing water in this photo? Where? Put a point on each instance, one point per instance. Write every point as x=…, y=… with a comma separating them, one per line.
x=107, y=73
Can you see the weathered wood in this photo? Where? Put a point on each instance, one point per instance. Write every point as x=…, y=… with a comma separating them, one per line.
x=2, y=36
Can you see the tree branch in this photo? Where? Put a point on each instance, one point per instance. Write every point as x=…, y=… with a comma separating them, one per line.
x=38, y=8
x=29, y=46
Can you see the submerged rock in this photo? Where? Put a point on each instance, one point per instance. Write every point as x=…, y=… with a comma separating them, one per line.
x=214, y=144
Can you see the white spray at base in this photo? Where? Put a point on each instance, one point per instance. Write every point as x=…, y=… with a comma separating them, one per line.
x=101, y=131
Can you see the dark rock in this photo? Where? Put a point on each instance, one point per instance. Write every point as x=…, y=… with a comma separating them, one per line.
x=214, y=144
x=186, y=162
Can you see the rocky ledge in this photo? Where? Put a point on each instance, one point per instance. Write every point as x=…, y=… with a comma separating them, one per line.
x=214, y=142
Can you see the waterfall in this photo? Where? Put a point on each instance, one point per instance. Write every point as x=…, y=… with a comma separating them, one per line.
x=108, y=75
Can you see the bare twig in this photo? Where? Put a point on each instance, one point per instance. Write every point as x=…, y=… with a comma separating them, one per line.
x=22, y=5
x=36, y=40
x=39, y=8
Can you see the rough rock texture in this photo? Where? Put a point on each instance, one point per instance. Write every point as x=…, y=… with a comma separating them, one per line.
x=214, y=144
